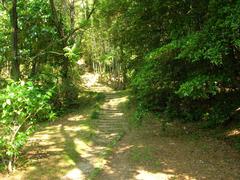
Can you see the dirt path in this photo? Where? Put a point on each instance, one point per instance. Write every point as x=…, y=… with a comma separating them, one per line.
x=78, y=147
x=109, y=126
x=75, y=146
x=149, y=153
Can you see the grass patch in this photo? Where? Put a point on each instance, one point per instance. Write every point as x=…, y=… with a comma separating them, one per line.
x=89, y=98
x=95, y=114
x=88, y=136
x=141, y=155
x=144, y=156
x=110, y=146
x=114, y=142
x=237, y=144
x=99, y=97
x=95, y=172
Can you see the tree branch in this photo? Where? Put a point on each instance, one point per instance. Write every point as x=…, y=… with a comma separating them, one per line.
x=56, y=20
x=88, y=17
x=92, y=11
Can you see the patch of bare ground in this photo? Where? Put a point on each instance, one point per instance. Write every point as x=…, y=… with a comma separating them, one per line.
x=177, y=152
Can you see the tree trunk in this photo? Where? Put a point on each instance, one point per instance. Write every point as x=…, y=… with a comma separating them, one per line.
x=15, y=69
x=72, y=14
x=34, y=68
x=60, y=29
x=56, y=20
x=10, y=166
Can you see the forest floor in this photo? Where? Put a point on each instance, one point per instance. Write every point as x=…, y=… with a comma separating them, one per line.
x=97, y=142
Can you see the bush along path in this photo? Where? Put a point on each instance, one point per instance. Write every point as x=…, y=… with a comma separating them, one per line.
x=77, y=145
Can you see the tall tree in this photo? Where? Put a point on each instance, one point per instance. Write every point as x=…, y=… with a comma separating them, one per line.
x=15, y=71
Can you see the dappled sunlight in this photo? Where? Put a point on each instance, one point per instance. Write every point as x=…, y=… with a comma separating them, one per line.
x=74, y=146
x=168, y=174
x=108, y=170
x=117, y=101
x=234, y=132
x=106, y=136
x=40, y=136
x=125, y=148
x=89, y=153
x=100, y=88
x=168, y=170
x=74, y=174
x=77, y=118
x=55, y=149
x=64, y=147
x=81, y=146
x=52, y=127
x=76, y=128
x=145, y=175
x=143, y=155
x=90, y=79
x=116, y=115
x=114, y=103
x=81, y=62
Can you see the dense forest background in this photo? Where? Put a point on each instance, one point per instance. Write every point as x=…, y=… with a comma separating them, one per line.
x=180, y=58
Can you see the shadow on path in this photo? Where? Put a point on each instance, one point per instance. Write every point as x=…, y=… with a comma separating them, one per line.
x=148, y=153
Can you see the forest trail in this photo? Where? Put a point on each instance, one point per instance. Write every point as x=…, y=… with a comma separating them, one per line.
x=110, y=121
x=77, y=147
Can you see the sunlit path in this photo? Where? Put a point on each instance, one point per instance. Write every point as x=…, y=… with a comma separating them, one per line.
x=119, y=89
x=74, y=147
x=110, y=125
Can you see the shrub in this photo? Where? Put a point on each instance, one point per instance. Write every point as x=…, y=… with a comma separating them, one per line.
x=23, y=104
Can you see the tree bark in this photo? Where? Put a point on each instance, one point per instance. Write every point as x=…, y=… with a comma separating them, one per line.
x=60, y=29
x=57, y=21
x=72, y=14
x=15, y=69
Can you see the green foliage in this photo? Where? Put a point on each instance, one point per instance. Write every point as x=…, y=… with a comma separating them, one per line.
x=95, y=173
x=100, y=97
x=181, y=58
x=23, y=104
x=192, y=73
x=138, y=116
x=95, y=114
x=72, y=53
x=201, y=86
x=68, y=95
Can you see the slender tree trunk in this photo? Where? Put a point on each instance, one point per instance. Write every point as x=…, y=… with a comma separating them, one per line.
x=15, y=69
x=56, y=20
x=34, y=68
x=59, y=25
x=123, y=68
x=10, y=166
x=72, y=14
x=86, y=9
